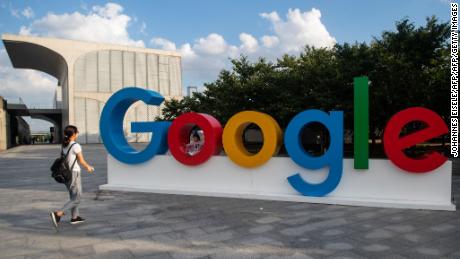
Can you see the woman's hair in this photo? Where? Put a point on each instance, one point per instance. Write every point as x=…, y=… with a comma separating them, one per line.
x=69, y=131
x=195, y=135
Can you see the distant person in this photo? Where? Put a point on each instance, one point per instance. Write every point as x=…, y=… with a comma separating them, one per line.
x=74, y=187
x=195, y=145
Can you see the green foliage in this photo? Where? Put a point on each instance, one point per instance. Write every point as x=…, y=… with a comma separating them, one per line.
x=174, y=108
x=406, y=67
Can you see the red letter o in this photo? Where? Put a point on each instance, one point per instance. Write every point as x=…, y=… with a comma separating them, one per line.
x=179, y=136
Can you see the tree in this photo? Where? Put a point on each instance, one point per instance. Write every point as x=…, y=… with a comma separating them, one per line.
x=411, y=70
x=406, y=67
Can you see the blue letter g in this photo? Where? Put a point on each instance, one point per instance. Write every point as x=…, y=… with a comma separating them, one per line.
x=111, y=126
x=332, y=158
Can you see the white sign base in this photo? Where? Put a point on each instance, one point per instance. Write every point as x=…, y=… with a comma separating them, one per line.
x=383, y=185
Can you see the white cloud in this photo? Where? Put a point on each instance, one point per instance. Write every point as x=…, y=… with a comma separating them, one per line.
x=28, y=12
x=202, y=58
x=206, y=56
x=249, y=43
x=270, y=41
x=106, y=24
x=110, y=10
x=163, y=43
x=84, y=6
x=36, y=89
x=300, y=29
x=187, y=52
x=16, y=13
x=213, y=44
x=273, y=16
x=143, y=28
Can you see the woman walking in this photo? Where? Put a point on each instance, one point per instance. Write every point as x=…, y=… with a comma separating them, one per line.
x=74, y=159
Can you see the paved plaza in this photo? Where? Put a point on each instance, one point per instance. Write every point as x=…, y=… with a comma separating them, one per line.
x=143, y=225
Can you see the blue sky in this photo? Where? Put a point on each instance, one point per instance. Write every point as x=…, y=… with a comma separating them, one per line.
x=205, y=32
x=184, y=21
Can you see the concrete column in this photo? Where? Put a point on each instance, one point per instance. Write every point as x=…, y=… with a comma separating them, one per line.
x=3, y=125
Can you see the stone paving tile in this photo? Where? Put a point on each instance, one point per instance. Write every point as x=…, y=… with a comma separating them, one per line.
x=424, y=252
x=143, y=225
x=393, y=243
x=294, y=256
x=331, y=233
x=233, y=255
x=379, y=233
x=144, y=232
x=107, y=247
x=300, y=230
x=338, y=246
x=214, y=228
x=79, y=251
x=453, y=255
x=346, y=255
x=267, y=220
x=260, y=229
x=157, y=256
x=115, y=254
x=46, y=255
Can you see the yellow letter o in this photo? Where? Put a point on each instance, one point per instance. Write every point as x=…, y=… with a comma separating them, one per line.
x=233, y=141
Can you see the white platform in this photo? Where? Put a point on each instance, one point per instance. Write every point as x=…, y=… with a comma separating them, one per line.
x=383, y=185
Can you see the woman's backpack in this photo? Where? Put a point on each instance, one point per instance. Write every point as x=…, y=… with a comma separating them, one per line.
x=60, y=170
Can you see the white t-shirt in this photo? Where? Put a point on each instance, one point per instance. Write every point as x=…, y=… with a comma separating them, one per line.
x=73, y=154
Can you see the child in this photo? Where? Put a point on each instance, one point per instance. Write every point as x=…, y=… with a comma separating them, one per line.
x=195, y=145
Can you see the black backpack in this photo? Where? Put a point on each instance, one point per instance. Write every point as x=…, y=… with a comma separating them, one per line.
x=60, y=170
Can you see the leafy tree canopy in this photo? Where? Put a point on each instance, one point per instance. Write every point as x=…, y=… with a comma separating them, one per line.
x=406, y=67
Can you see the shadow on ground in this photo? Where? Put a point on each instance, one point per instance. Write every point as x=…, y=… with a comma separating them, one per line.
x=136, y=225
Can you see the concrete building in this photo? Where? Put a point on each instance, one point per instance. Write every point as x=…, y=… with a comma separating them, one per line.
x=191, y=90
x=4, y=125
x=19, y=131
x=89, y=73
x=14, y=130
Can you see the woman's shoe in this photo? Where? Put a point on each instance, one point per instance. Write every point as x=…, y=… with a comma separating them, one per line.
x=77, y=220
x=55, y=219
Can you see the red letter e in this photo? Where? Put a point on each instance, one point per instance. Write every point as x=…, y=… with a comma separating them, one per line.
x=394, y=145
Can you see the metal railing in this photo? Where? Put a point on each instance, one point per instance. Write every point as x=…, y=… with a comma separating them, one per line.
x=14, y=100
x=40, y=106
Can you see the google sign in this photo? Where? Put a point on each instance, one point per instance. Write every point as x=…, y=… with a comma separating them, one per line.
x=422, y=182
